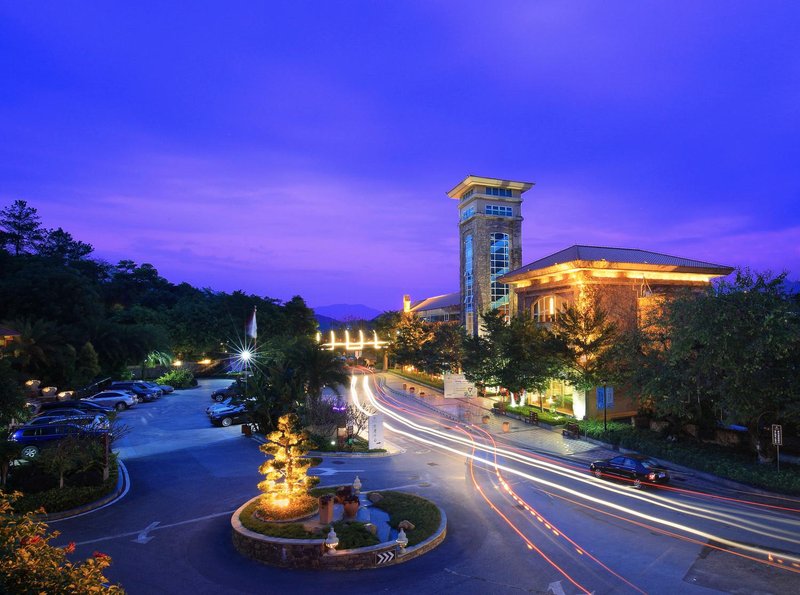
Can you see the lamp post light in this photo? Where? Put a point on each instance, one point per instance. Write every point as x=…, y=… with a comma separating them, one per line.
x=357, y=486
x=245, y=355
x=402, y=541
x=331, y=541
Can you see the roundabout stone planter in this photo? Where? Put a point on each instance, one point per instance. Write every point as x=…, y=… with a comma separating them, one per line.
x=311, y=554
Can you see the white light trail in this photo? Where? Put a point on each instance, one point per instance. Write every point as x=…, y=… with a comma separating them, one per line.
x=552, y=468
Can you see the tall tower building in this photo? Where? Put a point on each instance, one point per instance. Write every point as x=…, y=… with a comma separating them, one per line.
x=490, y=231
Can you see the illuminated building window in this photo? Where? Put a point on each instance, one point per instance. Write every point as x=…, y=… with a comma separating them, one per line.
x=547, y=309
x=468, y=280
x=469, y=193
x=501, y=210
x=467, y=213
x=499, y=258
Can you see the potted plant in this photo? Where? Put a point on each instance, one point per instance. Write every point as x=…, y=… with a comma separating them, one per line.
x=351, y=505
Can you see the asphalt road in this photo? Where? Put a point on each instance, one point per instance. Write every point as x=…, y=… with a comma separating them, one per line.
x=171, y=532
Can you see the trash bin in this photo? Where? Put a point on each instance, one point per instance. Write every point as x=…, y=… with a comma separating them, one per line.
x=247, y=430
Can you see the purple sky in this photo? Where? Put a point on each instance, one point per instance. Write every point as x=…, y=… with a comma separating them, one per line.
x=306, y=147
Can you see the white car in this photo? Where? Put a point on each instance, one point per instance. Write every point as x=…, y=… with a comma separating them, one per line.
x=118, y=399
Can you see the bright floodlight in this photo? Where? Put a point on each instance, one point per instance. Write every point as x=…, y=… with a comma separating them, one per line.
x=245, y=355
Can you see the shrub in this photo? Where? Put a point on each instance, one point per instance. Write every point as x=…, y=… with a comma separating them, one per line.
x=55, y=499
x=178, y=378
x=422, y=378
x=29, y=564
x=351, y=534
x=423, y=513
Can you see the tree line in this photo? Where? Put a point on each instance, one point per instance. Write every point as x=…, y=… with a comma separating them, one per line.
x=79, y=317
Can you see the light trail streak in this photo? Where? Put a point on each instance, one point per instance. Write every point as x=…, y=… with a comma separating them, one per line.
x=571, y=475
x=524, y=538
x=535, y=514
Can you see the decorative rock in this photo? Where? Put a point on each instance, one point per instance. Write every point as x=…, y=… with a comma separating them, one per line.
x=405, y=525
x=374, y=497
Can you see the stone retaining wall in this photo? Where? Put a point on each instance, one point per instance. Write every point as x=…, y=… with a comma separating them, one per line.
x=310, y=553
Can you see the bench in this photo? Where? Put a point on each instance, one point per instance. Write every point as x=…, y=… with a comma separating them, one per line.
x=571, y=430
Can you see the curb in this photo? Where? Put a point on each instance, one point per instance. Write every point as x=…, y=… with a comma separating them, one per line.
x=390, y=452
x=310, y=554
x=122, y=474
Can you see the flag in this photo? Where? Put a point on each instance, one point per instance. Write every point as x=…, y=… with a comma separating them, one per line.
x=250, y=327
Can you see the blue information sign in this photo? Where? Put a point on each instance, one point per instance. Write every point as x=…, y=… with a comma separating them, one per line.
x=605, y=397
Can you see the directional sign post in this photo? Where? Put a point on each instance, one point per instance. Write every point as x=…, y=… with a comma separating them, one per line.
x=777, y=441
x=605, y=399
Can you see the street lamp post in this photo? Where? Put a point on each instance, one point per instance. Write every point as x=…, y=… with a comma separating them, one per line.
x=605, y=408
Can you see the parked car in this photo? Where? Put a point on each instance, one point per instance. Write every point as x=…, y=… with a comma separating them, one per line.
x=137, y=387
x=81, y=418
x=636, y=469
x=33, y=438
x=234, y=390
x=230, y=416
x=226, y=404
x=74, y=404
x=164, y=388
x=118, y=399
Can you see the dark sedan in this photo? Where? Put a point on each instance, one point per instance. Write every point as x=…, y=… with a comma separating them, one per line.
x=635, y=469
x=230, y=416
x=219, y=395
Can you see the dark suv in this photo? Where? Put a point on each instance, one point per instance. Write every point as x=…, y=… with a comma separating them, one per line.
x=33, y=438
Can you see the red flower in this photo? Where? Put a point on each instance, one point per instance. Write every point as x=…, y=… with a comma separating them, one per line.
x=70, y=547
x=30, y=540
x=100, y=555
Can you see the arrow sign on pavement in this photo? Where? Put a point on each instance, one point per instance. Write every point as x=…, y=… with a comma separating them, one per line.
x=143, y=536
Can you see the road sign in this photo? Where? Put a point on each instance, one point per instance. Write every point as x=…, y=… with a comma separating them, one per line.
x=777, y=435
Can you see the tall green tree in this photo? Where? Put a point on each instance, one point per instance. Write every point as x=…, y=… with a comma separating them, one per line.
x=21, y=227
x=61, y=246
x=316, y=367
x=444, y=352
x=588, y=334
x=410, y=336
x=731, y=354
x=518, y=355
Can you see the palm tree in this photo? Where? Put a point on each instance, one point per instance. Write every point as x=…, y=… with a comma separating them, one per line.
x=318, y=368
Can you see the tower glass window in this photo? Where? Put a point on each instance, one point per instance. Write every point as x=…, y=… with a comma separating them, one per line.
x=468, y=281
x=467, y=213
x=499, y=259
x=500, y=210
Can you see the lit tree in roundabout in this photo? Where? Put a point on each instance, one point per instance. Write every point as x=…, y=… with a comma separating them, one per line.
x=286, y=482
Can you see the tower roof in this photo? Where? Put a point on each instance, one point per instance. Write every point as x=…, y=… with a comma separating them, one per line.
x=471, y=180
x=623, y=257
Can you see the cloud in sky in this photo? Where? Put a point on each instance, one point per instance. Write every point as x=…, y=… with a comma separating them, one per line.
x=306, y=148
